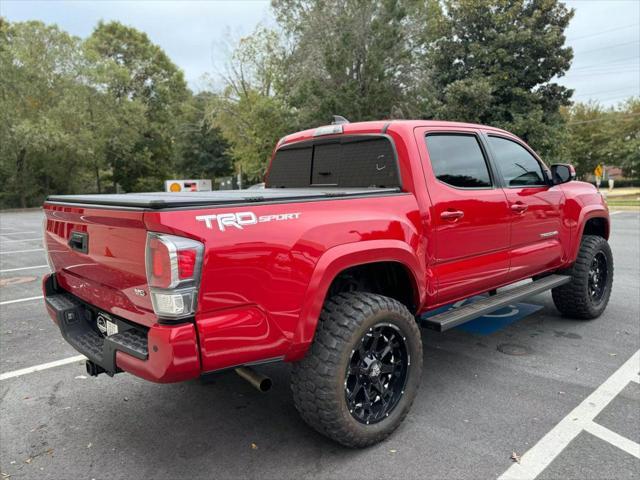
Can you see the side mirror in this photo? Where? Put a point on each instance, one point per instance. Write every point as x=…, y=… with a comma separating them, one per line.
x=562, y=173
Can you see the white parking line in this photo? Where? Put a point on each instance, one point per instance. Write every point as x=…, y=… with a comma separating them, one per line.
x=23, y=268
x=19, y=300
x=21, y=240
x=22, y=251
x=535, y=460
x=609, y=436
x=44, y=366
x=19, y=233
x=623, y=211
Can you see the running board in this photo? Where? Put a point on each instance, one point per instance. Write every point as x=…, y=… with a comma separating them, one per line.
x=458, y=316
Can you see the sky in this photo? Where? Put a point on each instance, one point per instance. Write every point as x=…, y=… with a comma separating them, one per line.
x=605, y=35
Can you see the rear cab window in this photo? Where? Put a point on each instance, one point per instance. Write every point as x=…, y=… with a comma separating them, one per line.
x=516, y=165
x=350, y=161
x=458, y=160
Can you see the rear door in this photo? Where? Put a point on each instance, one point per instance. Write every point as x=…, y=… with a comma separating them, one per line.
x=470, y=214
x=535, y=207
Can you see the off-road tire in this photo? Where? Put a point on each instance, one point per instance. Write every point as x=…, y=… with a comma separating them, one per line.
x=318, y=380
x=572, y=299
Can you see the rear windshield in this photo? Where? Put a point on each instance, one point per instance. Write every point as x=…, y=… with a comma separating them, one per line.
x=343, y=162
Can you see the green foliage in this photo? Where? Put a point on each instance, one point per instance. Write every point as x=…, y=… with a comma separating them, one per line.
x=38, y=119
x=249, y=112
x=495, y=62
x=201, y=147
x=137, y=76
x=604, y=136
x=251, y=124
x=113, y=112
x=624, y=144
x=353, y=57
x=489, y=61
x=104, y=114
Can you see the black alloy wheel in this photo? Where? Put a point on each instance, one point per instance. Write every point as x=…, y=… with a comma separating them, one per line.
x=377, y=373
x=598, y=277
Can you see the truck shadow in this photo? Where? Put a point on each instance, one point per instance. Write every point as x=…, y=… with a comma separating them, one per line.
x=224, y=425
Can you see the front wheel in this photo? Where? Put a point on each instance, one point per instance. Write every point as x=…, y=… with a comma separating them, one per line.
x=587, y=295
x=358, y=380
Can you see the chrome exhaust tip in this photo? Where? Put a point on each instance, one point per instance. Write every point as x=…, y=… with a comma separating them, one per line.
x=257, y=380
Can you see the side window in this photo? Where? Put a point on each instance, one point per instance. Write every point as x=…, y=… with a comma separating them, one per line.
x=457, y=160
x=517, y=166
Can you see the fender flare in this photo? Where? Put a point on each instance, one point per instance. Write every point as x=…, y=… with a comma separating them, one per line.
x=587, y=213
x=339, y=258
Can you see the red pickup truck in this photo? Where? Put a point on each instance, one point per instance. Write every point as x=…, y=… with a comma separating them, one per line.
x=362, y=229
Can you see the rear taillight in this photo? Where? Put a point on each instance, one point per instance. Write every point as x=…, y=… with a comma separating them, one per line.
x=159, y=253
x=187, y=263
x=173, y=267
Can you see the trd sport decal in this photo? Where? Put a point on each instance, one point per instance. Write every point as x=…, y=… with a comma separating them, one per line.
x=240, y=219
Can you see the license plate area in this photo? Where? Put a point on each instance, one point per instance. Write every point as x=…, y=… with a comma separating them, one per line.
x=106, y=324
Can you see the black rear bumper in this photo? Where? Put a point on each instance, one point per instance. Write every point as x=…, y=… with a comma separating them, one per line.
x=77, y=323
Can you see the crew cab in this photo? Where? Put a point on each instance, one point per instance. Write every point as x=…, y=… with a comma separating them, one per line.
x=361, y=229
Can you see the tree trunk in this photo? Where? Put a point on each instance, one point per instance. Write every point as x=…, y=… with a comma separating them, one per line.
x=98, y=177
x=96, y=162
x=20, y=183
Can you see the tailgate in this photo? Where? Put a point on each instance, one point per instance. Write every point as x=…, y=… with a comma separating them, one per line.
x=98, y=255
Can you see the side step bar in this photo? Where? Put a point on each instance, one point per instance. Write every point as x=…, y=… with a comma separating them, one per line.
x=457, y=316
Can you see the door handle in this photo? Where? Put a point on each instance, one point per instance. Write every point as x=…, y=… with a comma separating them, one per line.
x=519, y=207
x=452, y=214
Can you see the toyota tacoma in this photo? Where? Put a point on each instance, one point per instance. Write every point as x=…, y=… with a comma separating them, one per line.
x=361, y=229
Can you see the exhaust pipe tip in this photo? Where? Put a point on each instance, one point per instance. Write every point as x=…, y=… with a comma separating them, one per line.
x=257, y=380
x=265, y=384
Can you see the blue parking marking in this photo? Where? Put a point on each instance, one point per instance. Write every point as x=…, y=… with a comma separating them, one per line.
x=491, y=322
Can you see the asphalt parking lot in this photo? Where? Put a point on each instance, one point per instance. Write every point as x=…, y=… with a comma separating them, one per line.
x=564, y=398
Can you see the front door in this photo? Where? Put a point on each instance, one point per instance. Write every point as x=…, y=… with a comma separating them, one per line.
x=535, y=208
x=469, y=214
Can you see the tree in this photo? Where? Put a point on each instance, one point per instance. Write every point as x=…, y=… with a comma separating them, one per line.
x=624, y=145
x=487, y=62
x=201, y=149
x=355, y=58
x=587, y=139
x=250, y=112
x=495, y=62
x=604, y=136
x=39, y=65
x=145, y=92
x=75, y=114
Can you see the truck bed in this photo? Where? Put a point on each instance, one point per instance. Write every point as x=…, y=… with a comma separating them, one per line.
x=161, y=200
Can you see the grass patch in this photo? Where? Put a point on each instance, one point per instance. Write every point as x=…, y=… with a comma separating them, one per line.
x=623, y=203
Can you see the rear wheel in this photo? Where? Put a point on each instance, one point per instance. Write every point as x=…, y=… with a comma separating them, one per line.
x=358, y=380
x=587, y=295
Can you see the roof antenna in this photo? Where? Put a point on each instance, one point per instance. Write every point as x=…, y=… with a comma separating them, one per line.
x=339, y=120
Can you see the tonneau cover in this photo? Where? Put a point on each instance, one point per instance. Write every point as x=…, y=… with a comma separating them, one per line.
x=159, y=200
